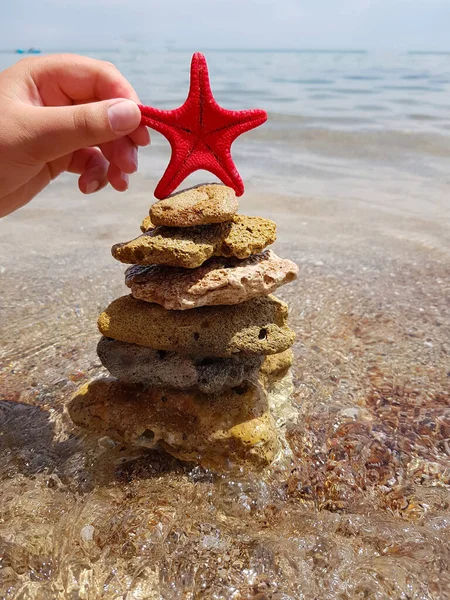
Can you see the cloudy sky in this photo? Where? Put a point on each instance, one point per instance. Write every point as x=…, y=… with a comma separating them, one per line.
x=205, y=24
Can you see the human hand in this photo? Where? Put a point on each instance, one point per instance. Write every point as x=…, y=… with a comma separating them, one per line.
x=66, y=113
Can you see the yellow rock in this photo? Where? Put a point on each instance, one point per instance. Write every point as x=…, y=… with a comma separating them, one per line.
x=199, y=205
x=258, y=326
x=275, y=367
x=217, y=431
x=147, y=224
x=189, y=247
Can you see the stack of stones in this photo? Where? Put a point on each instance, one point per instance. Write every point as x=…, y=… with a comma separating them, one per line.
x=193, y=350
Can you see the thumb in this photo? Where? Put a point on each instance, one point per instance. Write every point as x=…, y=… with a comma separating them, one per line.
x=56, y=131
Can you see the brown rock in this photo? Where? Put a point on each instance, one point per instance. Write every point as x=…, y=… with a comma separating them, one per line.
x=147, y=225
x=257, y=326
x=276, y=366
x=199, y=205
x=190, y=246
x=218, y=281
x=137, y=364
x=220, y=431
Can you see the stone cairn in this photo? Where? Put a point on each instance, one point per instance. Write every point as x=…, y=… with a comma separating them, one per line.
x=195, y=348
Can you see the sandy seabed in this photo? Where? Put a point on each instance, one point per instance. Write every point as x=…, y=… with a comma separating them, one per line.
x=358, y=505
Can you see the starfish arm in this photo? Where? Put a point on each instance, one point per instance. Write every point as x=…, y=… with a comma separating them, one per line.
x=180, y=167
x=230, y=177
x=233, y=123
x=200, y=87
x=167, y=122
x=219, y=142
x=177, y=168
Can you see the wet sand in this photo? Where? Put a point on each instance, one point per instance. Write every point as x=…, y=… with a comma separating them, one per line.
x=360, y=504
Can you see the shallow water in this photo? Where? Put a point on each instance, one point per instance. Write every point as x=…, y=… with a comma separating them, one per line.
x=358, y=505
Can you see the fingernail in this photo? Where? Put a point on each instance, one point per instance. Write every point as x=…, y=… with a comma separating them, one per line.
x=126, y=180
x=124, y=116
x=134, y=157
x=92, y=186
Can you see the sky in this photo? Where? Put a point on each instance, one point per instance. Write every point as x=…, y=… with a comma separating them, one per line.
x=396, y=25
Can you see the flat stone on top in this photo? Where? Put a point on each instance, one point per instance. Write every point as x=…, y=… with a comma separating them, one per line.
x=199, y=205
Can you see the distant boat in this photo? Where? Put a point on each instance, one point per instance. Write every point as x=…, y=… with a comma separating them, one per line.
x=29, y=51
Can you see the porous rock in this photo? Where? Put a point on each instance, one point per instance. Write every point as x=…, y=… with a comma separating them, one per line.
x=257, y=326
x=220, y=431
x=199, y=205
x=218, y=281
x=189, y=247
x=137, y=364
x=147, y=224
x=275, y=367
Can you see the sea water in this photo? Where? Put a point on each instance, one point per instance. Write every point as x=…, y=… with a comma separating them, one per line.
x=353, y=166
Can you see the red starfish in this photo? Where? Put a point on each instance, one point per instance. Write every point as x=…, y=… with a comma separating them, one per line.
x=200, y=133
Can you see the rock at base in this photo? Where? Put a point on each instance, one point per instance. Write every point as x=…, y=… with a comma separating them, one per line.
x=189, y=247
x=137, y=364
x=218, y=281
x=221, y=431
x=258, y=326
x=199, y=205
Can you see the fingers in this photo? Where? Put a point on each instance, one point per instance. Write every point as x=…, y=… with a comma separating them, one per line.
x=88, y=162
x=93, y=168
x=123, y=153
x=140, y=136
x=52, y=132
x=77, y=78
x=72, y=105
x=65, y=79
x=117, y=178
x=96, y=172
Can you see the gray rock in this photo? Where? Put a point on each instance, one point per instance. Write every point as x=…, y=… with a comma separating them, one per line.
x=137, y=364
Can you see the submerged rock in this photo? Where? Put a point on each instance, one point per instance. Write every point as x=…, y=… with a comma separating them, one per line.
x=199, y=205
x=137, y=364
x=257, y=326
x=216, y=431
x=218, y=281
x=189, y=247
